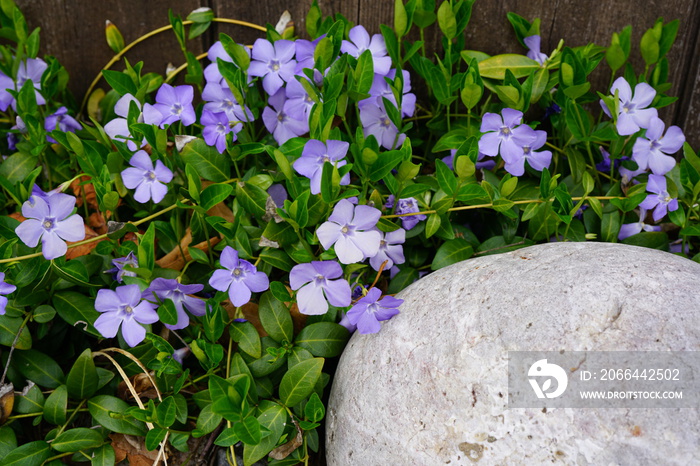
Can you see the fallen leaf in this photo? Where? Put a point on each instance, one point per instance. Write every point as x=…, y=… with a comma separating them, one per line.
x=285, y=450
x=250, y=313
x=7, y=401
x=83, y=249
x=133, y=449
x=81, y=185
x=141, y=383
x=174, y=259
x=97, y=222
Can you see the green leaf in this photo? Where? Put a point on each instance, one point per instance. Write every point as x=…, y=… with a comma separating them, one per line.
x=72, y=271
x=9, y=326
x=275, y=318
x=76, y=308
x=154, y=437
x=247, y=337
x=101, y=406
x=103, y=456
x=252, y=198
x=324, y=339
x=39, y=368
x=401, y=24
x=495, y=67
x=277, y=258
x=17, y=167
x=207, y=421
x=77, y=439
x=82, y=379
x=610, y=227
x=120, y=82
x=56, y=406
x=166, y=412
x=209, y=163
x=274, y=419
x=445, y=177
x=146, y=251
x=314, y=411
x=8, y=441
x=386, y=162
x=364, y=72
x=227, y=438
x=451, y=252
x=299, y=381
x=432, y=225
x=214, y=194
x=447, y=20
x=166, y=311
x=29, y=454
x=115, y=40
x=649, y=239
x=248, y=430
x=31, y=401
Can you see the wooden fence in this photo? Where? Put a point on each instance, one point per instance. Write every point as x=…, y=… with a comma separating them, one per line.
x=73, y=31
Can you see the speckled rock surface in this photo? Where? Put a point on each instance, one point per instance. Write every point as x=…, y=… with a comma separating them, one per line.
x=431, y=388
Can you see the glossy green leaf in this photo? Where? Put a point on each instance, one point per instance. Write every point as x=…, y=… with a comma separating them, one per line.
x=39, y=368
x=82, y=379
x=299, y=381
x=275, y=318
x=214, y=194
x=154, y=437
x=103, y=456
x=17, y=167
x=495, y=67
x=252, y=198
x=166, y=412
x=314, y=410
x=207, y=421
x=77, y=439
x=274, y=419
x=248, y=430
x=101, y=407
x=324, y=339
x=9, y=326
x=452, y=252
x=207, y=160
x=56, y=406
x=247, y=337
x=386, y=162
x=29, y=454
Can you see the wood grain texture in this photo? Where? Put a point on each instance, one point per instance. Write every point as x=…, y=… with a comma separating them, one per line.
x=73, y=31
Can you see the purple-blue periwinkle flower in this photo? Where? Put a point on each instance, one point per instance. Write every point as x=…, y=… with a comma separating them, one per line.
x=370, y=310
x=221, y=99
x=481, y=164
x=216, y=127
x=5, y=289
x=654, y=148
x=503, y=133
x=124, y=307
x=13, y=137
x=38, y=192
x=61, y=120
x=147, y=180
x=360, y=41
x=282, y=126
x=305, y=50
x=531, y=140
x=390, y=250
x=351, y=229
x=120, y=263
x=409, y=205
x=164, y=288
x=298, y=104
x=319, y=283
x=345, y=322
x=118, y=128
x=380, y=88
x=30, y=69
x=239, y=278
x=180, y=354
x=175, y=104
x=376, y=122
x=389, y=204
x=51, y=220
x=278, y=194
x=533, y=45
x=315, y=155
x=633, y=112
x=629, y=229
x=273, y=62
x=659, y=200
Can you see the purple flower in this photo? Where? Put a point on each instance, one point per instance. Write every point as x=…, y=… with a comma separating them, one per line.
x=485, y=165
x=389, y=204
x=51, y=221
x=317, y=287
x=629, y=229
x=282, y=126
x=216, y=127
x=606, y=163
x=298, y=104
x=380, y=88
x=119, y=263
x=407, y=206
x=652, y=151
x=315, y=155
x=240, y=278
x=376, y=122
x=38, y=192
x=12, y=137
x=62, y=121
x=659, y=200
x=530, y=140
x=350, y=229
x=273, y=62
x=390, y=250
x=119, y=127
x=305, y=54
x=504, y=133
x=175, y=291
x=221, y=99
x=278, y=194
x=360, y=41
x=633, y=111
x=533, y=44
x=175, y=104
x=6, y=288
x=124, y=307
x=370, y=310
x=147, y=181
x=30, y=69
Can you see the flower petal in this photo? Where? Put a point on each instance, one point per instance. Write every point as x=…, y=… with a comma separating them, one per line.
x=133, y=332
x=52, y=246
x=338, y=292
x=108, y=324
x=311, y=300
x=30, y=232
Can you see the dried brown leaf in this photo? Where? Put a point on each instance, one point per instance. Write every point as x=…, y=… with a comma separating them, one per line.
x=175, y=260
x=132, y=449
x=143, y=386
x=83, y=249
x=285, y=450
x=7, y=401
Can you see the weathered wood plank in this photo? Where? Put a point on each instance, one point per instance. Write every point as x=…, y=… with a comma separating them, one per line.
x=74, y=32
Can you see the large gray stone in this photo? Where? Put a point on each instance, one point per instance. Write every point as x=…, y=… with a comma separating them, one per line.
x=431, y=387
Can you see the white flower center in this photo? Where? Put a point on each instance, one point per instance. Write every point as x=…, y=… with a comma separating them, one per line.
x=129, y=310
x=150, y=175
x=275, y=65
x=176, y=109
x=505, y=131
x=48, y=223
x=386, y=122
x=237, y=272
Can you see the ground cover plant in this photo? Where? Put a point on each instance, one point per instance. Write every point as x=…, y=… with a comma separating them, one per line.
x=182, y=256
